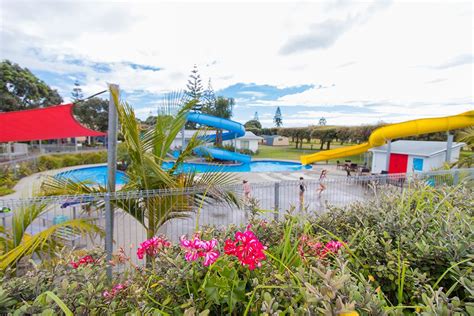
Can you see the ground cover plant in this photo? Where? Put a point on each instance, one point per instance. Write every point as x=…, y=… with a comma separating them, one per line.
x=397, y=255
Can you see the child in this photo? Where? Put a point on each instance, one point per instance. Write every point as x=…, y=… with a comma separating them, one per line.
x=322, y=187
x=302, y=188
x=247, y=190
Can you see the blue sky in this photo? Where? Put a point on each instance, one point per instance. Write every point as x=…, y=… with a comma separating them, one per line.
x=351, y=62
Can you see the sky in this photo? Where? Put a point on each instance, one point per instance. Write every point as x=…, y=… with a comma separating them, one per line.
x=350, y=62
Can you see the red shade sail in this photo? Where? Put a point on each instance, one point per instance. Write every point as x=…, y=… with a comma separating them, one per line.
x=40, y=124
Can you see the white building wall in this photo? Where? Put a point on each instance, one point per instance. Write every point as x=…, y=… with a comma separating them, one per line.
x=378, y=162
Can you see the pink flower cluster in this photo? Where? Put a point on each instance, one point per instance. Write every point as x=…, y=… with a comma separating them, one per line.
x=308, y=247
x=152, y=246
x=247, y=248
x=114, y=291
x=83, y=261
x=197, y=248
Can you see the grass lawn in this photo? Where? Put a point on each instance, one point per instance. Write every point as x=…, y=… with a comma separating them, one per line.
x=291, y=153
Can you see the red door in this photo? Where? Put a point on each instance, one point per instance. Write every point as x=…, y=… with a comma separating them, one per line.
x=398, y=163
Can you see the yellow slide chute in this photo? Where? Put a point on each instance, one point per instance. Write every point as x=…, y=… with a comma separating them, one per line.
x=393, y=131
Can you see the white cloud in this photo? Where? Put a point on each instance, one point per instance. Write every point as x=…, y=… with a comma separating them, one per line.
x=413, y=59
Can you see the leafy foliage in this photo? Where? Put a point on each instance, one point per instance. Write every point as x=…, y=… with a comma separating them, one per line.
x=401, y=255
x=22, y=90
x=93, y=113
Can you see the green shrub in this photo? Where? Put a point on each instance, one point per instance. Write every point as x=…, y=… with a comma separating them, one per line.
x=402, y=255
x=408, y=241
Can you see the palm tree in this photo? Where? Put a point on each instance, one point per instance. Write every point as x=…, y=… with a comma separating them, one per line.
x=17, y=243
x=146, y=151
x=467, y=136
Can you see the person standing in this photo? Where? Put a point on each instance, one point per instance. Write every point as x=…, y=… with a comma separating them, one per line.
x=302, y=189
x=322, y=186
x=247, y=190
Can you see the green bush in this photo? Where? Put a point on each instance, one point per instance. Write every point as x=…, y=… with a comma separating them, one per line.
x=409, y=241
x=60, y=161
x=409, y=254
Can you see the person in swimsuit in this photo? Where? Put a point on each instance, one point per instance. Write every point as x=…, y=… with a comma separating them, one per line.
x=322, y=187
x=302, y=188
x=247, y=190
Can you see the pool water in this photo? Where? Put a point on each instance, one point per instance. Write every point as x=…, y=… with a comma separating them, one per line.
x=94, y=175
x=99, y=174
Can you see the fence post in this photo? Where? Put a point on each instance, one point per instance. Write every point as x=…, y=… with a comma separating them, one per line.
x=456, y=177
x=109, y=228
x=111, y=173
x=276, y=215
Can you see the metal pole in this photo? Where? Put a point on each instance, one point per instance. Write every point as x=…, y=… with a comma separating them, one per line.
x=449, y=147
x=111, y=171
x=389, y=151
x=277, y=201
x=182, y=137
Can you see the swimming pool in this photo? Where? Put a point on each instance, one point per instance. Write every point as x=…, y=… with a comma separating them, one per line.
x=99, y=174
x=95, y=175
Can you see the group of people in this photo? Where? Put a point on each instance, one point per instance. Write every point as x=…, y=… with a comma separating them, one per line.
x=302, y=187
x=319, y=190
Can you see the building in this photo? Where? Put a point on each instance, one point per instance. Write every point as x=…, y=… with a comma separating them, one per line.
x=276, y=140
x=407, y=156
x=247, y=142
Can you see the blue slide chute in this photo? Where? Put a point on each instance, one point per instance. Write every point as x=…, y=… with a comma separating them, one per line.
x=234, y=130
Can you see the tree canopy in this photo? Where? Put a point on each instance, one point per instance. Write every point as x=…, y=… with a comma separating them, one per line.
x=253, y=124
x=194, y=89
x=93, y=113
x=20, y=89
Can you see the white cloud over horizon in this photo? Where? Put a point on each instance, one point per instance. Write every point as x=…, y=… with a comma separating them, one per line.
x=394, y=60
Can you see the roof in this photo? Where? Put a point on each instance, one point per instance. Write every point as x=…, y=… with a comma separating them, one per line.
x=44, y=123
x=273, y=136
x=417, y=148
x=189, y=133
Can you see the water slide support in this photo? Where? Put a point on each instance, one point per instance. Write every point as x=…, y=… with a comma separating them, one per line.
x=449, y=148
x=389, y=152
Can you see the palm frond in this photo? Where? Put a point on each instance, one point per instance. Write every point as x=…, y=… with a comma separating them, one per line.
x=67, y=186
x=39, y=241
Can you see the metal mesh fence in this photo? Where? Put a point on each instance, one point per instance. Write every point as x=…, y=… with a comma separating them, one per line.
x=174, y=213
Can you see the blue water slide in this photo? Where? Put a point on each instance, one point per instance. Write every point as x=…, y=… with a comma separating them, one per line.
x=233, y=130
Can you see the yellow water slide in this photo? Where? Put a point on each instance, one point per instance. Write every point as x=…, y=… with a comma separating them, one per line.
x=393, y=131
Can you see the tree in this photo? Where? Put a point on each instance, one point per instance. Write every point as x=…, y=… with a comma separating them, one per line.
x=76, y=93
x=253, y=124
x=194, y=88
x=277, y=119
x=145, y=172
x=222, y=107
x=21, y=90
x=209, y=97
x=322, y=121
x=93, y=113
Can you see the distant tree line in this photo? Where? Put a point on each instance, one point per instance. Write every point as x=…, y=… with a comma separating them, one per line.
x=329, y=134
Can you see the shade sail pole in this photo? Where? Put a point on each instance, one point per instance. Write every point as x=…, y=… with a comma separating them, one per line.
x=111, y=173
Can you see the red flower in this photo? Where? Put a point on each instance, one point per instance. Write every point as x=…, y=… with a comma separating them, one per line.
x=84, y=260
x=247, y=248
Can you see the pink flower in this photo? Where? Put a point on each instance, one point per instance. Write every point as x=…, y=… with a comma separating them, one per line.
x=310, y=247
x=332, y=247
x=247, y=248
x=115, y=290
x=196, y=248
x=152, y=246
x=83, y=261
